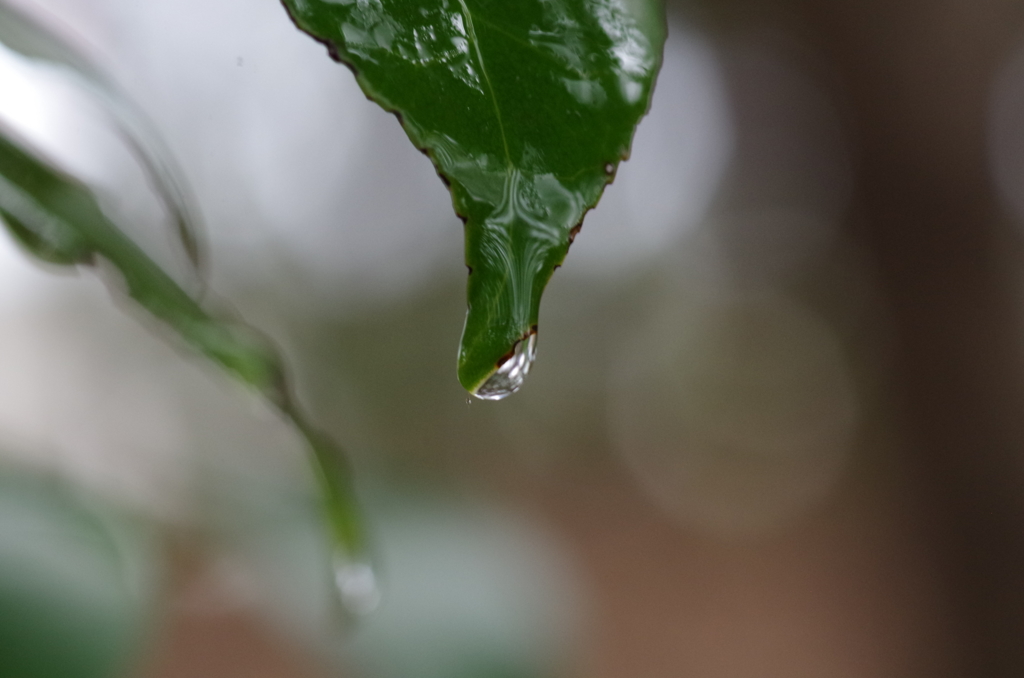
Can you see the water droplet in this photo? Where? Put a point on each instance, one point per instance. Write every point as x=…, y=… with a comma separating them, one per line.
x=512, y=373
x=609, y=168
x=357, y=587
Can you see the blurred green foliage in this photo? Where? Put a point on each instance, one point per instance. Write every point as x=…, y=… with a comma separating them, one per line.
x=78, y=581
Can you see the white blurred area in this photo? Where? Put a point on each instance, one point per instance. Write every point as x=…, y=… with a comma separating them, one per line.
x=470, y=587
x=730, y=401
x=475, y=590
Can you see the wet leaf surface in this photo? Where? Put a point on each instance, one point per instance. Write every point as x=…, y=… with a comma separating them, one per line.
x=526, y=109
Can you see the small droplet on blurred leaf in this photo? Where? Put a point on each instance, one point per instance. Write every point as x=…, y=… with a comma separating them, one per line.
x=357, y=587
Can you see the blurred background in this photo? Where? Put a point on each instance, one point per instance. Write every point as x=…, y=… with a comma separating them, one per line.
x=775, y=429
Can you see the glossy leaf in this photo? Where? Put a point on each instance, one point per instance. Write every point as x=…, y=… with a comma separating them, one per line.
x=59, y=220
x=525, y=107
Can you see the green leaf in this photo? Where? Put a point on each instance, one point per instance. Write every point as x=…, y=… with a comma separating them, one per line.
x=80, y=581
x=59, y=220
x=525, y=107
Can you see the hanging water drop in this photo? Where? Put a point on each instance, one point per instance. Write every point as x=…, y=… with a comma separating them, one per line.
x=357, y=587
x=511, y=374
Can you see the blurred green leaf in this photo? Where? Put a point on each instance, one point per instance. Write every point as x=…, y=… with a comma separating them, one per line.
x=59, y=220
x=29, y=38
x=79, y=582
x=526, y=109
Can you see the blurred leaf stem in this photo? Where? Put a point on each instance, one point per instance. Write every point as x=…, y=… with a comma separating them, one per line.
x=59, y=220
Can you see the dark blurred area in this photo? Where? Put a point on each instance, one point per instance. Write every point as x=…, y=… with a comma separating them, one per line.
x=775, y=428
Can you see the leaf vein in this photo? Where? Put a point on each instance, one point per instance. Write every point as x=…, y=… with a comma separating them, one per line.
x=487, y=79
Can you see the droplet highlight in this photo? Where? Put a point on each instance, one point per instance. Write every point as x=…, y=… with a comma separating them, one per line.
x=357, y=587
x=511, y=374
